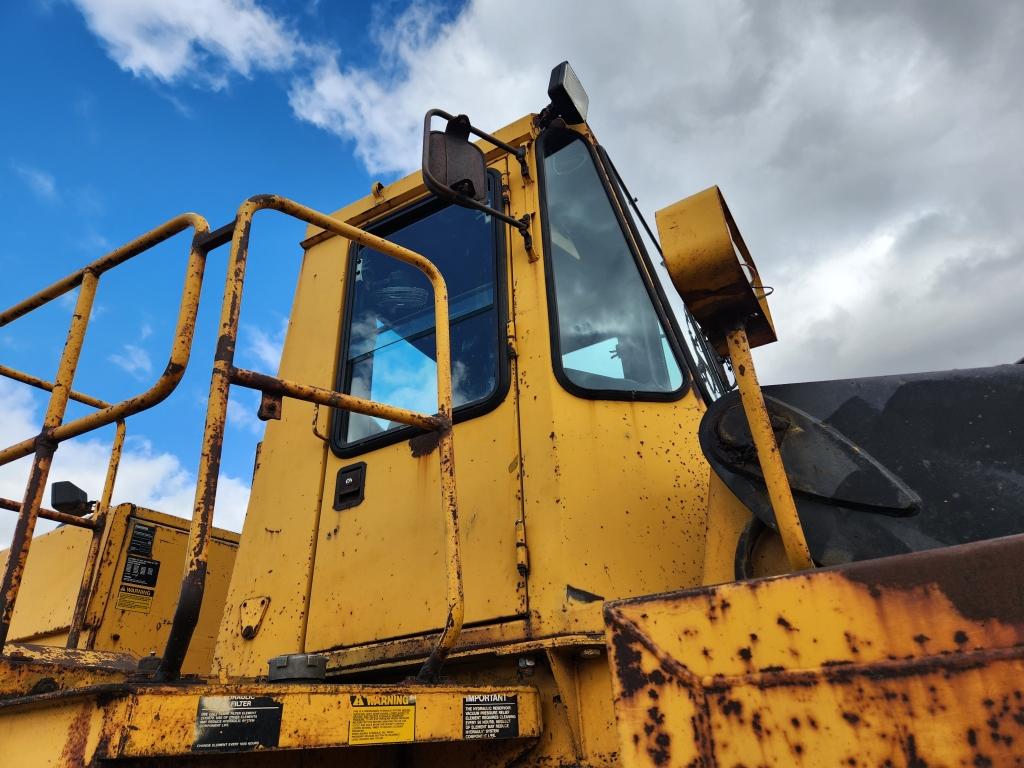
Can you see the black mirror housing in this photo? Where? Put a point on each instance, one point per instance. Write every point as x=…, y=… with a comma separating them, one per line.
x=68, y=498
x=452, y=164
x=455, y=169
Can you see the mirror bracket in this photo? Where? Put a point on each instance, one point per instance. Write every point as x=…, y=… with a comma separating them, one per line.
x=459, y=128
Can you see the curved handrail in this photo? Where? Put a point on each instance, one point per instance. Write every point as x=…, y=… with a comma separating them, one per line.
x=186, y=615
x=54, y=431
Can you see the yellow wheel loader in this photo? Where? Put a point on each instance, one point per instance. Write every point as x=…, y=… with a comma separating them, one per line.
x=521, y=501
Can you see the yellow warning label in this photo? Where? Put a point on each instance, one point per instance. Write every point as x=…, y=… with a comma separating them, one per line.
x=382, y=719
x=138, y=599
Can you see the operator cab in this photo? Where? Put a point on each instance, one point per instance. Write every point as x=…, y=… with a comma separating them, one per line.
x=577, y=382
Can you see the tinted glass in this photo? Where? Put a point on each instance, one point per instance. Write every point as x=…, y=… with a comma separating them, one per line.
x=609, y=334
x=391, y=356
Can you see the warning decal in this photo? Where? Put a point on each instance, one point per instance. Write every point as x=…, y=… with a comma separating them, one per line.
x=142, y=571
x=490, y=716
x=141, y=542
x=237, y=723
x=382, y=719
x=138, y=599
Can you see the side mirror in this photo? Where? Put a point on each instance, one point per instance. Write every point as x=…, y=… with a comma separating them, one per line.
x=69, y=498
x=455, y=169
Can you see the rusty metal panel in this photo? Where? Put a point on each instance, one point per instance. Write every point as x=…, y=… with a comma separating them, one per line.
x=117, y=723
x=906, y=661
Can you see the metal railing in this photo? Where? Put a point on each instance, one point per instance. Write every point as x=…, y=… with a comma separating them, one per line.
x=96, y=522
x=224, y=374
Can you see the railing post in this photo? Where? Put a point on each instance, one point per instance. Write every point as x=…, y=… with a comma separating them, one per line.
x=44, y=450
x=193, y=584
x=99, y=522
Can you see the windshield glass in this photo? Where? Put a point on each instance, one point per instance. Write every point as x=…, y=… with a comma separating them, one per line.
x=391, y=354
x=609, y=338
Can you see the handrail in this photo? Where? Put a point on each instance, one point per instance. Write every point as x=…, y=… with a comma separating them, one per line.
x=96, y=523
x=183, y=330
x=54, y=431
x=186, y=615
x=224, y=374
x=52, y=515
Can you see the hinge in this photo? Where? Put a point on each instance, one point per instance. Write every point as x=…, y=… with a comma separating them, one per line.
x=522, y=553
x=510, y=341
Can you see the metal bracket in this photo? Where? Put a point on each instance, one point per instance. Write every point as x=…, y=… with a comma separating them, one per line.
x=270, y=407
x=251, y=613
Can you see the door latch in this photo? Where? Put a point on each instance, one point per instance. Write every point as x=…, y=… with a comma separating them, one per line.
x=348, y=490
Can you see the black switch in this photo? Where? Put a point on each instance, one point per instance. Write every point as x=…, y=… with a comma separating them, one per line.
x=348, y=491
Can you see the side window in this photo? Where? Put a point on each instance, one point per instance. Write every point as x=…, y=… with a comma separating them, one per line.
x=609, y=340
x=389, y=353
x=705, y=364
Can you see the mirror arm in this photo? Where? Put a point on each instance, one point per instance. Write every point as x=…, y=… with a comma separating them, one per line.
x=434, y=185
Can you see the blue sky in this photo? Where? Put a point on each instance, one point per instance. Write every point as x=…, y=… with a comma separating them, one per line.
x=869, y=152
x=95, y=155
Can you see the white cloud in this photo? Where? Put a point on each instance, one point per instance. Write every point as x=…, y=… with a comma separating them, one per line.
x=42, y=184
x=262, y=346
x=242, y=407
x=133, y=360
x=425, y=62
x=203, y=40
x=842, y=134
x=829, y=127
x=147, y=477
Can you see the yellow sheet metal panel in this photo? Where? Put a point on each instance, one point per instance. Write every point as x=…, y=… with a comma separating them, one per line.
x=727, y=517
x=51, y=737
x=615, y=493
x=380, y=565
x=915, y=660
x=141, y=570
x=50, y=585
x=279, y=536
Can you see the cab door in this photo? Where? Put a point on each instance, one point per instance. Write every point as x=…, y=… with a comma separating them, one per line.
x=379, y=569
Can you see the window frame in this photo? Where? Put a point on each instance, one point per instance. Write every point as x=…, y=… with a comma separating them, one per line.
x=644, y=269
x=383, y=227
x=618, y=187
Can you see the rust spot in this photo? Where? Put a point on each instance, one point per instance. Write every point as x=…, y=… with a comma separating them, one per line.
x=426, y=443
x=78, y=734
x=732, y=707
x=627, y=661
x=755, y=723
x=660, y=753
x=910, y=750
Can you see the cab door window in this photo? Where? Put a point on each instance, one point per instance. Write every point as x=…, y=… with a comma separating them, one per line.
x=389, y=350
